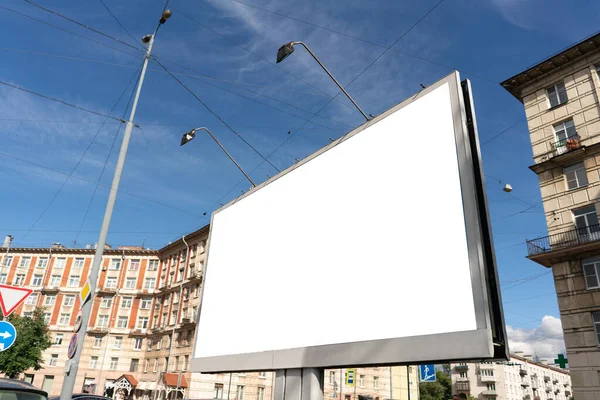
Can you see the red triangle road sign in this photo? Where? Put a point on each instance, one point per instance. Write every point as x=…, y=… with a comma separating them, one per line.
x=11, y=297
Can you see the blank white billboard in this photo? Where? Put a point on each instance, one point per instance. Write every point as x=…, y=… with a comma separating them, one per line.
x=361, y=254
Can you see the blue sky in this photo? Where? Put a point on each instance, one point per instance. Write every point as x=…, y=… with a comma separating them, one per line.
x=230, y=49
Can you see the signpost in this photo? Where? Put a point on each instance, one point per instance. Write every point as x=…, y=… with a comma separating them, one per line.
x=8, y=335
x=11, y=297
x=77, y=325
x=72, y=346
x=427, y=372
x=350, y=376
x=85, y=293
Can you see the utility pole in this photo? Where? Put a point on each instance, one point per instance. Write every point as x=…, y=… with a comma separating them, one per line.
x=71, y=374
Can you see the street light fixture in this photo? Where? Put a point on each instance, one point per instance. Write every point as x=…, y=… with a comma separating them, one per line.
x=288, y=48
x=188, y=136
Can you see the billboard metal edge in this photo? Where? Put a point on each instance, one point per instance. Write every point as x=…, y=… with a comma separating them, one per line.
x=416, y=349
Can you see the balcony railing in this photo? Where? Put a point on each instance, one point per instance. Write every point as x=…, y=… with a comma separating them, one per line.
x=563, y=146
x=461, y=367
x=563, y=240
x=486, y=378
x=522, y=371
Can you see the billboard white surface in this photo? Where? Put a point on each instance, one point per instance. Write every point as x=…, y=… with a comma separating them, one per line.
x=354, y=250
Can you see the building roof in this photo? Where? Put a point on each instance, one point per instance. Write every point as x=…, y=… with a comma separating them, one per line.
x=540, y=364
x=190, y=236
x=129, y=378
x=171, y=380
x=515, y=84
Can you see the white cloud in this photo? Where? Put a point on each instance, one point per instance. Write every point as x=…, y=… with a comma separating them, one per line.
x=545, y=341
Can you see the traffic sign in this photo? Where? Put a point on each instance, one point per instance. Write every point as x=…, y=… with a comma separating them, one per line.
x=78, y=321
x=350, y=376
x=11, y=297
x=72, y=346
x=85, y=293
x=8, y=335
x=427, y=373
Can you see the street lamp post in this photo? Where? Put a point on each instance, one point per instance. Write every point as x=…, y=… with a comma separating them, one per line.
x=288, y=48
x=188, y=136
x=71, y=370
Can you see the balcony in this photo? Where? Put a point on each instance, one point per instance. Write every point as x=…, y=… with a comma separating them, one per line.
x=195, y=277
x=50, y=289
x=527, y=397
x=555, y=381
x=490, y=392
x=567, y=392
x=546, y=378
x=566, y=145
x=107, y=290
x=553, y=247
x=463, y=385
x=461, y=367
x=99, y=330
x=486, y=366
x=485, y=378
x=524, y=383
x=523, y=371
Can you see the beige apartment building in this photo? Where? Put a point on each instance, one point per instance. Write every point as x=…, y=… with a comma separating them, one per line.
x=521, y=378
x=560, y=95
x=142, y=327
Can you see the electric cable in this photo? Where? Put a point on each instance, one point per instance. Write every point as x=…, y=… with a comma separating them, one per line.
x=118, y=22
x=78, y=161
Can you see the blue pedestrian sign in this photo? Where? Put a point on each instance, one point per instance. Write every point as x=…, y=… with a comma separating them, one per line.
x=8, y=335
x=427, y=373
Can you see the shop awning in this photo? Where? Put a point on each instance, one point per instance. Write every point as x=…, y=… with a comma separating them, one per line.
x=172, y=379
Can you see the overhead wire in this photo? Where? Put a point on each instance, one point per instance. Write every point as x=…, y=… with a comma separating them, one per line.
x=216, y=115
x=67, y=57
x=502, y=132
x=89, y=145
x=118, y=22
x=62, y=102
x=82, y=25
x=70, y=32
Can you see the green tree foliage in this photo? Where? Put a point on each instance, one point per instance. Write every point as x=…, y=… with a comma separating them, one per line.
x=441, y=389
x=32, y=339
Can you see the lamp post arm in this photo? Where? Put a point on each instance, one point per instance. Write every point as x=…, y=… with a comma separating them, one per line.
x=335, y=80
x=228, y=155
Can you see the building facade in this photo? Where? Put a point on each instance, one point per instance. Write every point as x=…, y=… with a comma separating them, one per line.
x=560, y=96
x=521, y=378
x=142, y=327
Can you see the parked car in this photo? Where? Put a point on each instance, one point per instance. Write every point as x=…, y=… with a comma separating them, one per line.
x=12, y=389
x=81, y=396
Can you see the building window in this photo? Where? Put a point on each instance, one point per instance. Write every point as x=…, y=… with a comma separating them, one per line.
x=202, y=247
x=138, y=343
x=186, y=360
x=145, y=304
x=152, y=265
x=487, y=372
x=361, y=380
x=596, y=318
x=122, y=322
x=19, y=280
x=166, y=364
x=28, y=314
x=142, y=323
x=563, y=131
x=47, y=316
x=263, y=374
x=42, y=263
x=7, y=261
x=146, y=366
x=105, y=302
x=36, y=281
x=159, y=344
x=78, y=263
x=463, y=374
x=69, y=301
x=31, y=299
x=57, y=339
x=55, y=280
x=97, y=342
x=103, y=321
x=557, y=94
x=50, y=300
x=176, y=365
x=64, y=319
x=491, y=386
x=53, y=360
x=149, y=283
x=261, y=393
x=126, y=302
x=218, y=391
x=155, y=365
x=94, y=362
x=118, y=342
x=25, y=261
x=115, y=264
x=576, y=176
x=3, y=278
x=73, y=281
x=114, y=361
x=591, y=271
x=239, y=394
x=586, y=222
x=130, y=283
x=331, y=377
x=133, y=367
x=375, y=382
x=111, y=282
x=134, y=265
x=60, y=262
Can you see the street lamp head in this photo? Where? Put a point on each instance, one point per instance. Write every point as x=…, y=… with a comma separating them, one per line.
x=188, y=136
x=165, y=16
x=284, y=51
x=507, y=188
x=146, y=39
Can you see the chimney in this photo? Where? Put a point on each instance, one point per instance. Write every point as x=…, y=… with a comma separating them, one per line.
x=544, y=361
x=528, y=357
x=57, y=245
x=7, y=241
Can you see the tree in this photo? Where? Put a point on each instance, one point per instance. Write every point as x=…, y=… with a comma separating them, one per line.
x=441, y=389
x=32, y=339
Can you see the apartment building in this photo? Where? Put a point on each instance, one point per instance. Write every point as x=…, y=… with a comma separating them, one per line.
x=560, y=95
x=521, y=378
x=373, y=383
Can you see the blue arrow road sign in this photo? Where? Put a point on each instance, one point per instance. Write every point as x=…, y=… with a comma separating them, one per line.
x=8, y=335
x=427, y=373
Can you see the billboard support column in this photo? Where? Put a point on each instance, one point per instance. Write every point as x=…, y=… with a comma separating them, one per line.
x=299, y=384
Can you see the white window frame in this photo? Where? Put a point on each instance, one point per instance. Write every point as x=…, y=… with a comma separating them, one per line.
x=120, y=319
x=53, y=360
x=218, y=391
x=97, y=342
x=31, y=299
x=114, y=264
x=576, y=176
x=73, y=281
x=111, y=282
x=64, y=319
x=60, y=262
x=50, y=299
x=134, y=265
x=596, y=322
x=114, y=363
x=93, y=362
x=375, y=382
x=19, y=280
x=130, y=282
x=57, y=340
x=55, y=280
x=126, y=302
x=78, y=263
x=102, y=317
x=143, y=322
x=147, y=281
x=146, y=304
x=42, y=263
x=25, y=262
x=361, y=380
x=106, y=302
x=69, y=301
x=7, y=261
x=138, y=341
x=563, y=128
x=118, y=343
x=239, y=392
x=556, y=94
x=579, y=214
x=152, y=265
x=37, y=280
x=3, y=278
